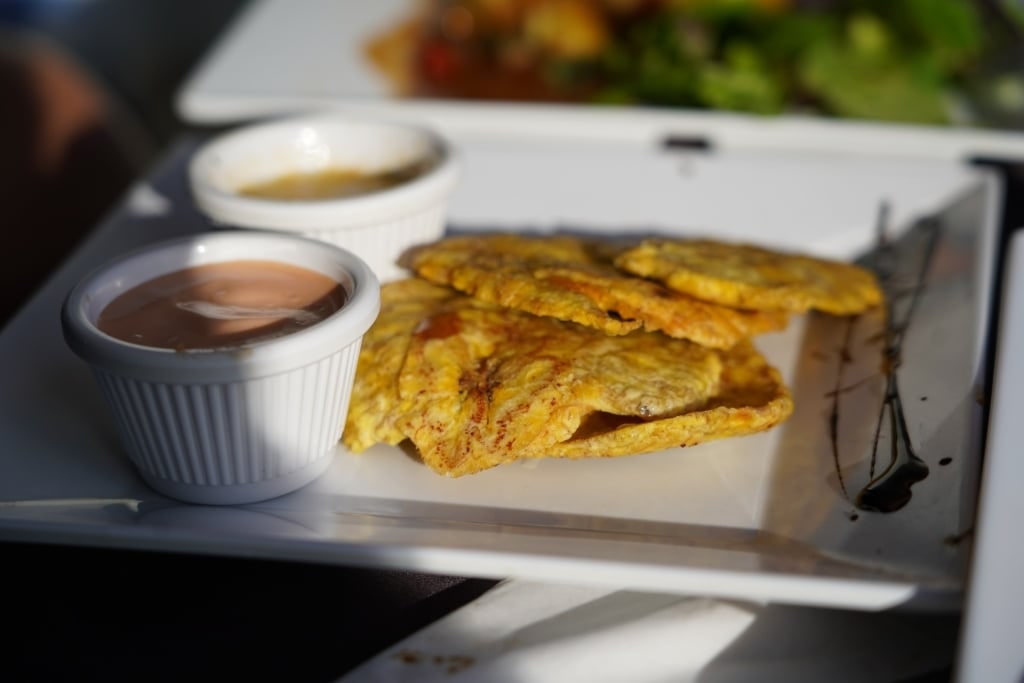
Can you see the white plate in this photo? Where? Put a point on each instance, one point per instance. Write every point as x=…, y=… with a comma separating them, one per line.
x=994, y=608
x=761, y=517
x=282, y=56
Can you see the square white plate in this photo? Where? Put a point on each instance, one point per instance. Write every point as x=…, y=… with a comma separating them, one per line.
x=763, y=517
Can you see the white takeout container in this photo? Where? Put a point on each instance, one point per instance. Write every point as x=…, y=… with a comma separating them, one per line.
x=378, y=226
x=232, y=425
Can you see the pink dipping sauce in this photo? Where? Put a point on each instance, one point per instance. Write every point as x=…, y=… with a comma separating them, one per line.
x=218, y=305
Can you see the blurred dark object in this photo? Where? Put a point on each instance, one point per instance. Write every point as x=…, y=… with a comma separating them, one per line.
x=139, y=51
x=64, y=161
x=88, y=90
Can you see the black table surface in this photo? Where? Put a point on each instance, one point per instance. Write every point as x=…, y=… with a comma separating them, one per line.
x=91, y=614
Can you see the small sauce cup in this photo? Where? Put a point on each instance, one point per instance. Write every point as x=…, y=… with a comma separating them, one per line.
x=237, y=424
x=377, y=225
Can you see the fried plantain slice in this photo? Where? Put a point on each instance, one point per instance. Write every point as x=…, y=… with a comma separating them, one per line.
x=751, y=398
x=489, y=386
x=480, y=385
x=574, y=279
x=375, y=403
x=752, y=277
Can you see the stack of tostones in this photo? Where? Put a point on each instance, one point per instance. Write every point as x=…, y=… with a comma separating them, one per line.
x=509, y=347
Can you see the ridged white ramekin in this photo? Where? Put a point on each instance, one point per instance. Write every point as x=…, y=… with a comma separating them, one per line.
x=378, y=226
x=236, y=425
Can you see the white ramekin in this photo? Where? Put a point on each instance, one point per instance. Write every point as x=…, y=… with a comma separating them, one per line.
x=378, y=226
x=237, y=425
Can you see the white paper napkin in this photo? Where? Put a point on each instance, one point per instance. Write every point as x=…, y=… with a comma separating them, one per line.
x=524, y=631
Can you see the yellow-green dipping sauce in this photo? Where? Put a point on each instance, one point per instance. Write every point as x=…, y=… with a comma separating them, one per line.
x=332, y=183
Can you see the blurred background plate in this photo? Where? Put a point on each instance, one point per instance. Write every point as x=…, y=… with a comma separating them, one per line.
x=281, y=57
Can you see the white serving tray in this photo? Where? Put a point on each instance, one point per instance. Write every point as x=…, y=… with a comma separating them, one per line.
x=761, y=517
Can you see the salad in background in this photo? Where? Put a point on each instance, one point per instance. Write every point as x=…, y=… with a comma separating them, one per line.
x=911, y=61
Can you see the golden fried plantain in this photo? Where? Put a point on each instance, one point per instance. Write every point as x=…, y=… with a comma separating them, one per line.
x=474, y=385
x=751, y=277
x=375, y=403
x=573, y=279
x=751, y=398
